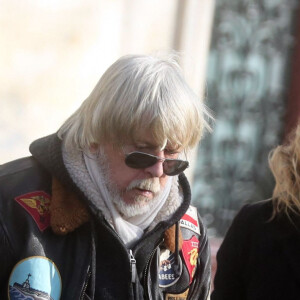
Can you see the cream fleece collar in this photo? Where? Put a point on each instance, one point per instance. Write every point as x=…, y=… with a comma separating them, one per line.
x=74, y=162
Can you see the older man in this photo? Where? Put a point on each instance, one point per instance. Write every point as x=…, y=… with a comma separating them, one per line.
x=101, y=210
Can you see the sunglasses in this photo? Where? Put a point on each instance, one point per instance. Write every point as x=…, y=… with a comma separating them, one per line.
x=141, y=160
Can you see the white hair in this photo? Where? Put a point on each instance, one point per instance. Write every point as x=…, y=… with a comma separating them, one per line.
x=137, y=93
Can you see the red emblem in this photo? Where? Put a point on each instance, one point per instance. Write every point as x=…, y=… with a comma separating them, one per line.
x=37, y=205
x=190, y=255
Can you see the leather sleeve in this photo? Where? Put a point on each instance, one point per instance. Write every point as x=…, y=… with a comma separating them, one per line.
x=6, y=259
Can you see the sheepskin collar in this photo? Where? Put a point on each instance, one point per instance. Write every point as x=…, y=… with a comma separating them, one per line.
x=68, y=213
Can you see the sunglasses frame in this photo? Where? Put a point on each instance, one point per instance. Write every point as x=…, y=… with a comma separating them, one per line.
x=161, y=159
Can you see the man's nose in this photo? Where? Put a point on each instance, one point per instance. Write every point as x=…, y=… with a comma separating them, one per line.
x=156, y=170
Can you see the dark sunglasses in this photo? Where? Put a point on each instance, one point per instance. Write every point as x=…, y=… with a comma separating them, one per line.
x=141, y=160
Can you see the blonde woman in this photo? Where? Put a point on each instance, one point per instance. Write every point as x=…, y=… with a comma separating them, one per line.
x=259, y=257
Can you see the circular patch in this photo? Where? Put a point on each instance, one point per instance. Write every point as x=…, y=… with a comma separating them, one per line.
x=35, y=278
x=167, y=275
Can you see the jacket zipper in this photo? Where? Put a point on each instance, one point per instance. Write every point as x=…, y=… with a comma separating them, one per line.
x=133, y=270
x=85, y=285
x=148, y=265
x=132, y=260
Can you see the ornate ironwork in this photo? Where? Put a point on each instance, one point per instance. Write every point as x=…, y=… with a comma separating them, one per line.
x=246, y=82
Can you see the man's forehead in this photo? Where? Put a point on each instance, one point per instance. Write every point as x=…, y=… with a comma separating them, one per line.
x=146, y=138
x=150, y=144
x=153, y=145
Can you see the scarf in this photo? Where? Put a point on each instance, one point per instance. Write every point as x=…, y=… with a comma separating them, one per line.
x=132, y=228
x=75, y=163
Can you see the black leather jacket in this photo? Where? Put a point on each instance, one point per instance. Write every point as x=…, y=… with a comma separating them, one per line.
x=90, y=262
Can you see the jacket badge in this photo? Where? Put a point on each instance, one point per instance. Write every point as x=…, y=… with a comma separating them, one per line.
x=190, y=220
x=181, y=296
x=37, y=205
x=190, y=255
x=167, y=271
x=35, y=277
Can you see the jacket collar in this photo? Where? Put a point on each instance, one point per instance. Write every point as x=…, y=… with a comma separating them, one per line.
x=68, y=213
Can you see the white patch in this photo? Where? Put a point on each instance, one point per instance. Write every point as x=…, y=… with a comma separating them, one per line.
x=190, y=220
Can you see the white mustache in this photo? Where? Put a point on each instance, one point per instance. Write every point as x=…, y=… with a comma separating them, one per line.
x=150, y=184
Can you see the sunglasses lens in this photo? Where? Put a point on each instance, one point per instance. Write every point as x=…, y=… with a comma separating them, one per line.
x=138, y=160
x=174, y=167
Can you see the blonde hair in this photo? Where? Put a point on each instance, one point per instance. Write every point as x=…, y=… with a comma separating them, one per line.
x=284, y=162
x=136, y=93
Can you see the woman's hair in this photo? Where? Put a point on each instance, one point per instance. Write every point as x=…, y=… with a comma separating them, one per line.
x=138, y=93
x=284, y=162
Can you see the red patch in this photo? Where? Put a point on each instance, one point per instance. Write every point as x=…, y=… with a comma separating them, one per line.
x=37, y=205
x=190, y=219
x=190, y=255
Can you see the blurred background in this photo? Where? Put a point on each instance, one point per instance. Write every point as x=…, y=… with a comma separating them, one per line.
x=242, y=57
x=52, y=54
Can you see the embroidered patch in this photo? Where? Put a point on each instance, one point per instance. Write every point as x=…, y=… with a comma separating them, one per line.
x=167, y=275
x=37, y=205
x=181, y=296
x=190, y=220
x=35, y=278
x=190, y=255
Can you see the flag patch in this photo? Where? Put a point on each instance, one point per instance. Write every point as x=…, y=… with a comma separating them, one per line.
x=37, y=205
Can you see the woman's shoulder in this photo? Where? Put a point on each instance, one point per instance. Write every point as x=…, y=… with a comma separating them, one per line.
x=258, y=212
x=258, y=217
x=261, y=207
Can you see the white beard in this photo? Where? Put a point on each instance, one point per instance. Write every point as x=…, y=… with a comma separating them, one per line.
x=140, y=204
x=139, y=207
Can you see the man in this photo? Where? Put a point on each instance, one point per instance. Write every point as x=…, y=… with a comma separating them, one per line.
x=101, y=209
